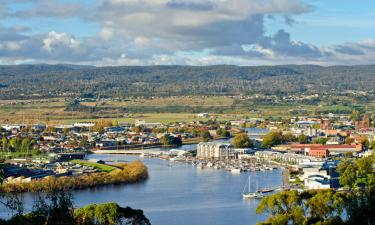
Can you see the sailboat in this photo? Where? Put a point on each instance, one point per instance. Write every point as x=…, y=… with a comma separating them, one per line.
x=248, y=194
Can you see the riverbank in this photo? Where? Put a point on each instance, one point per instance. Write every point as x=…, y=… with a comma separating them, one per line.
x=133, y=172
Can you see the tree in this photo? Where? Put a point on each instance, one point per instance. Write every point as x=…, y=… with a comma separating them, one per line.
x=25, y=145
x=168, y=140
x=303, y=139
x=289, y=137
x=205, y=135
x=137, y=129
x=4, y=142
x=242, y=141
x=222, y=132
x=365, y=142
x=349, y=140
x=109, y=214
x=309, y=207
x=348, y=173
x=57, y=209
x=272, y=138
x=321, y=140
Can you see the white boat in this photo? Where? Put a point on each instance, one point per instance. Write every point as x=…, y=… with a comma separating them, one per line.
x=251, y=195
x=235, y=171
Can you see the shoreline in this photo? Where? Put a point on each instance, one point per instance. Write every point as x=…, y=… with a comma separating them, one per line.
x=133, y=172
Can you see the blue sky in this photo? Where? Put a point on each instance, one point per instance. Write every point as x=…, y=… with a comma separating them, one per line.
x=192, y=32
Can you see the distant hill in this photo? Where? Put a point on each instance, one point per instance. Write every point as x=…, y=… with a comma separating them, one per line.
x=31, y=81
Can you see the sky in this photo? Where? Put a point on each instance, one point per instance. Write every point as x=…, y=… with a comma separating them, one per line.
x=187, y=32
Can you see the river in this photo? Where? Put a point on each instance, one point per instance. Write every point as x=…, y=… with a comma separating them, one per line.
x=180, y=194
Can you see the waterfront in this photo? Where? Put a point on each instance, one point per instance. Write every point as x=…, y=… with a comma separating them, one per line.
x=180, y=194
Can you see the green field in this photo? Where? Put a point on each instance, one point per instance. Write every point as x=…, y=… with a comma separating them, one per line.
x=102, y=167
x=165, y=110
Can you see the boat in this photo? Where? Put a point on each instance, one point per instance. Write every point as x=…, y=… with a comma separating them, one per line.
x=266, y=190
x=235, y=170
x=251, y=195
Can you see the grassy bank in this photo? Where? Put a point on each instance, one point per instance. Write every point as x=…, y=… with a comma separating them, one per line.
x=101, y=167
x=132, y=172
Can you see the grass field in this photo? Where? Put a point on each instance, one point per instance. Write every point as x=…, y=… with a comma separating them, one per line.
x=102, y=167
x=53, y=111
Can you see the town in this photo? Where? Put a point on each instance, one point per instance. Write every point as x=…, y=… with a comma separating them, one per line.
x=309, y=148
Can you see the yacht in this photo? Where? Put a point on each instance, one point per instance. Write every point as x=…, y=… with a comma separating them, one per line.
x=247, y=194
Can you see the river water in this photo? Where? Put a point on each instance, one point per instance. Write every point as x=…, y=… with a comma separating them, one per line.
x=180, y=194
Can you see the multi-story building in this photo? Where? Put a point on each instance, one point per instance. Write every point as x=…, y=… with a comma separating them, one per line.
x=215, y=151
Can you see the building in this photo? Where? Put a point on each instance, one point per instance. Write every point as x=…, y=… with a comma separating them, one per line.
x=84, y=124
x=333, y=149
x=215, y=151
x=319, y=152
x=315, y=182
x=203, y=115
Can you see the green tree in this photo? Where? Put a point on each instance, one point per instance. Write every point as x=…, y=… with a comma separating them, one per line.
x=4, y=142
x=205, y=135
x=303, y=139
x=289, y=137
x=348, y=173
x=222, y=132
x=168, y=140
x=272, y=138
x=242, y=141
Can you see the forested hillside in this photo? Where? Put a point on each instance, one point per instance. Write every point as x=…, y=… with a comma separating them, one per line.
x=35, y=81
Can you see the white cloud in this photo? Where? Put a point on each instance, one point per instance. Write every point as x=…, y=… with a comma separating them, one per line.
x=55, y=39
x=192, y=32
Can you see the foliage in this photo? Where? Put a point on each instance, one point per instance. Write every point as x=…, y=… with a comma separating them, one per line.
x=56, y=208
x=205, y=135
x=357, y=172
x=109, y=214
x=168, y=140
x=95, y=82
x=242, y=141
x=275, y=138
x=130, y=173
x=321, y=140
x=222, y=132
x=328, y=207
x=303, y=139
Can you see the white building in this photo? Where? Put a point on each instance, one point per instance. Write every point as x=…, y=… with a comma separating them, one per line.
x=84, y=124
x=314, y=182
x=215, y=151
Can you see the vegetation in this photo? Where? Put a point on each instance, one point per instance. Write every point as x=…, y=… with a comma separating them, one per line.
x=242, y=141
x=130, y=173
x=94, y=82
x=168, y=140
x=327, y=207
x=277, y=137
x=56, y=208
x=222, y=132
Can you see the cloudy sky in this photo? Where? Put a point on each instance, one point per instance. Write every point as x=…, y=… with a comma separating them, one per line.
x=191, y=32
